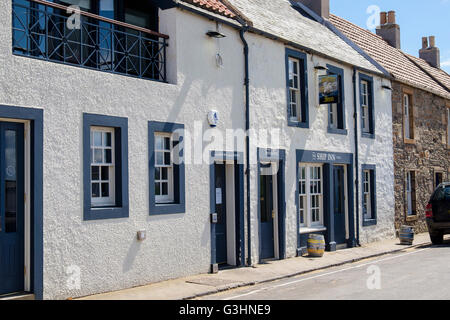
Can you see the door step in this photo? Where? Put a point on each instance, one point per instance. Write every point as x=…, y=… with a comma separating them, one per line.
x=341, y=246
x=17, y=296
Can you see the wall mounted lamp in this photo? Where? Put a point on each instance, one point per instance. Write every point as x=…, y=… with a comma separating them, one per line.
x=215, y=34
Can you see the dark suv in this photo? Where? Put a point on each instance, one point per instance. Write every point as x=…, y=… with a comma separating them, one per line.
x=438, y=213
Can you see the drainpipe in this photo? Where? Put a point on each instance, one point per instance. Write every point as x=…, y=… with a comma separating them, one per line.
x=247, y=139
x=355, y=113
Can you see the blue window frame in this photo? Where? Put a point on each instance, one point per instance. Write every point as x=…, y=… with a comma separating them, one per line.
x=369, y=195
x=336, y=111
x=367, y=106
x=297, y=89
x=119, y=157
x=167, y=189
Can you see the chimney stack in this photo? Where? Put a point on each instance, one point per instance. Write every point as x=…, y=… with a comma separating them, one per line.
x=389, y=30
x=429, y=52
x=320, y=7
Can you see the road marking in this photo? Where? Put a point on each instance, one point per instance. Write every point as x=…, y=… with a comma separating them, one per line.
x=325, y=274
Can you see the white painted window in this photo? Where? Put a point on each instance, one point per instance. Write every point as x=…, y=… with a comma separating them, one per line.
x=163, y=168
x=310, y=195
x=334, y=116
x=295, y=102
x=367, y=203
x=365, y=106
x=102, y=167
x=410, y=193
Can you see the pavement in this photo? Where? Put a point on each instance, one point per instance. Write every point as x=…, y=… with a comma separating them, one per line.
x=207, y=284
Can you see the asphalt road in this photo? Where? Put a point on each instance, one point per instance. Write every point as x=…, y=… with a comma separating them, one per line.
x=419, y=273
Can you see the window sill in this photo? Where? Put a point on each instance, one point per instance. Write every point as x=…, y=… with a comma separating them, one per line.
x=368, y=135
x=304, y=125
x=343, y=132
x=369, y=222
x=411, y=218
x=167, y=208
x=409, y=141
x=312, y=229
x=102, y=213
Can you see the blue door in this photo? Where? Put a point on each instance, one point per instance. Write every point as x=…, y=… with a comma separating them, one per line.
x=339, y=204
x=266, y=217
x=221, y=210
x=11, y=208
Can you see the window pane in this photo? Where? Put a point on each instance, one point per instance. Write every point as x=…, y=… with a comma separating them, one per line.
x=157, y=173
x=98, y=156
x=105, y=173
x=107, y=139
x=97, y=139
x=165, y=173
x=108, y=156
x=167, y=158
x=165, y=189
x=95, y=190
x=159, y=143
x=157, y=189
x=167, y=143
x=95, y=173
x=105, y=189
x=159, y=158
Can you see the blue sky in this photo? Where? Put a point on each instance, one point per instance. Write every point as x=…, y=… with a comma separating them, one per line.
x=417, y=19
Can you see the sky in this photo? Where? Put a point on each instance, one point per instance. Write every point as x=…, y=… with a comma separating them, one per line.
x=417, y=19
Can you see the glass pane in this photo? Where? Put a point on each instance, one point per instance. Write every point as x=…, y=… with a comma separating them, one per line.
x=165, y=173
x=107, y=139
x=95, y=190
x=105, y=173
x=97, y=139
x=98, y=156
x=108, y=156
x=159, y=143
x=95, y=173
x=157, y=189
x=167, y=143
x=105, y=190
x=167, y=158
x=10, y=154
x=159, y=158
x=157, y=173
x=165, y=188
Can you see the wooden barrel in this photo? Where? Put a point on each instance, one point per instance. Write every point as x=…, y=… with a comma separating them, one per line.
x=316, y=245
x=406, y=235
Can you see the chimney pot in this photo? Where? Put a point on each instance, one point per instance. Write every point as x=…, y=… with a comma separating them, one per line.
x=383, y=18
x=432, y=41
x=391, y=17
x=424, y=42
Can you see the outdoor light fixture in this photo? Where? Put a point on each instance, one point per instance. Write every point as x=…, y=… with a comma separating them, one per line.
x=215, y=34
x=386, y=87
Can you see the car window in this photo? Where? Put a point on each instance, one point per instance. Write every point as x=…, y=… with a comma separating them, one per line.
x=442, y=193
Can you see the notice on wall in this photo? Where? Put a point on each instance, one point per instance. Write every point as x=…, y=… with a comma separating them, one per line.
x=328, y=89
x=218, y=195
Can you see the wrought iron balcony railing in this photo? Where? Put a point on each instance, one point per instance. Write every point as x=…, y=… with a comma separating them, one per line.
x=46, y=30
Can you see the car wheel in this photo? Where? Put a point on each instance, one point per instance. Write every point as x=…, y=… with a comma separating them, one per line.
x=437, y=238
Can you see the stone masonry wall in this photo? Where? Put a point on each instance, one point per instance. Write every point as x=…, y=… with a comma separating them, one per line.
x=426, y=155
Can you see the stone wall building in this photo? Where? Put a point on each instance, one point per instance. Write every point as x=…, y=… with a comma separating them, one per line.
x=420, y=111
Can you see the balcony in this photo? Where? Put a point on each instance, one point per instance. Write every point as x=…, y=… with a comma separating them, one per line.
x=57, y=33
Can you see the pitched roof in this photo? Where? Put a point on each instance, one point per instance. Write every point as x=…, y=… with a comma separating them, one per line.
x=280, y=19
x=215, y=6
x=402, y=66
